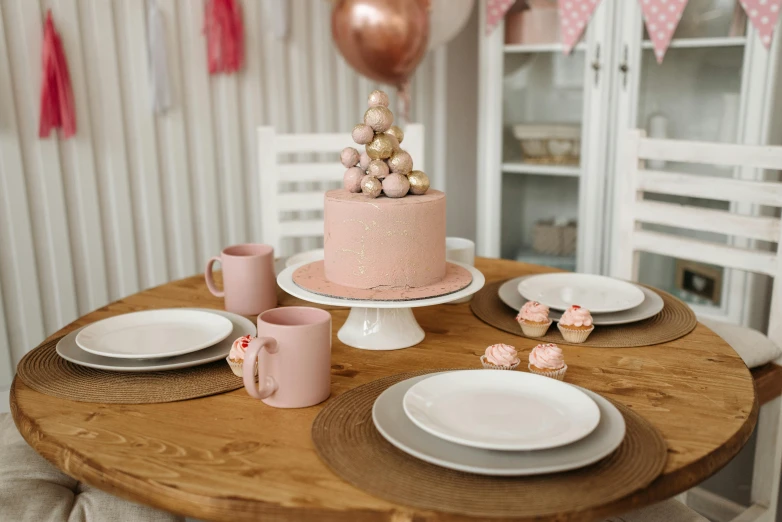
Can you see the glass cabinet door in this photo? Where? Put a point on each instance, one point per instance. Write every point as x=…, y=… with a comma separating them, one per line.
x=545, y=103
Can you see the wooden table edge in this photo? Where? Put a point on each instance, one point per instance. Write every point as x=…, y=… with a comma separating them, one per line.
x=82, y=468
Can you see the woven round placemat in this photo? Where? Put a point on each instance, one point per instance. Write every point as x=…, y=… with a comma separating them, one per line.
x=46, y=372
x=347, y=441
x=675, y=320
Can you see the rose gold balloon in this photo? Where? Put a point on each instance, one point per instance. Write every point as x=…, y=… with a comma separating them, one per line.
x=384, y=40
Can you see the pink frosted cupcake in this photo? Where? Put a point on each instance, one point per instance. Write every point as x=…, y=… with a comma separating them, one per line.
x=500, y=357
x=547, y=360
x=236, y=355
x=576, y=324
x=533, y=319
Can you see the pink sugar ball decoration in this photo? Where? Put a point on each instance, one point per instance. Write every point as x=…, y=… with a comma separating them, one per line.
x=378, y=168
x=349, y=157
x=364, y=161
x=351, y=181
x=396, y=186
x=377, y=98
x=363, y=134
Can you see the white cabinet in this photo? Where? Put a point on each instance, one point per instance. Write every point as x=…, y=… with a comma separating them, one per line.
x=717, y=83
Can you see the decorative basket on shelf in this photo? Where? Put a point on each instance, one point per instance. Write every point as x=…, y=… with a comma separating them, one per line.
x=554, y=237
x=549, y=144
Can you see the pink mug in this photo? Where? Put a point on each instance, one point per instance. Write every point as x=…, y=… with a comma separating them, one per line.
x=249, y=285
x=294, y=369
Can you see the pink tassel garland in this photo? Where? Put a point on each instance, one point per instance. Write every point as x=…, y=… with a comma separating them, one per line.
x=57, y=106
x=224, y=35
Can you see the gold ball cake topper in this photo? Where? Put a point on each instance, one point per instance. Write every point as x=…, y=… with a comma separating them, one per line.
x=381, y=147
x=371, y=186
x=396, y=132
x=419, y=182
x=383, y=168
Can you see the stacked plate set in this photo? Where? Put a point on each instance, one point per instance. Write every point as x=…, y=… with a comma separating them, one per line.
x=155, y=340
x=610, y=301
x=501, y=423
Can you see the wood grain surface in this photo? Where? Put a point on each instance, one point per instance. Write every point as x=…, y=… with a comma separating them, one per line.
x=232, y=458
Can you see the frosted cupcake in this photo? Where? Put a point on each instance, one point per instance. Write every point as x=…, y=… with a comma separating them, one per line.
x=576, y=324
x=236, y=355
x=533, y=319
x=500, y=357
x=547, y=360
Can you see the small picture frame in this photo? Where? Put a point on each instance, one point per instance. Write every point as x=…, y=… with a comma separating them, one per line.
x=699, y=279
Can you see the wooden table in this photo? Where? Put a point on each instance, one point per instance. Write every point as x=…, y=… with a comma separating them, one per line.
x=229, y=457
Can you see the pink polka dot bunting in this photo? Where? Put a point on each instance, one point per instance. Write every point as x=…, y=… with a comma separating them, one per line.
x=662, y=17
x=763, y=14
x=495, y=11
x=573, y=18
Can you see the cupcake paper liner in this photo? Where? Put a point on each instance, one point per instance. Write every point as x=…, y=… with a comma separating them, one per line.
x=554, y=374
x=489, y=366
x=236, y=367
x=534, y=330
x=574, y=336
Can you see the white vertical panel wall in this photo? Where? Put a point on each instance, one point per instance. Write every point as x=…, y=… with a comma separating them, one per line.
x=136, y=199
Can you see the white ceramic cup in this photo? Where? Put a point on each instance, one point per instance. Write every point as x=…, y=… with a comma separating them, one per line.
x=460, y=250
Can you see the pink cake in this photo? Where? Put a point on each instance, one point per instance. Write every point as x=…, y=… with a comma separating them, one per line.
x=384, y=242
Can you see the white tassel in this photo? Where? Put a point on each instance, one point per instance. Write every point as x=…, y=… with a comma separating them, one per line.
x=158, y=59
x=277, y=15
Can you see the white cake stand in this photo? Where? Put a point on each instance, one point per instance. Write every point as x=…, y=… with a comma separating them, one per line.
x=379, y=325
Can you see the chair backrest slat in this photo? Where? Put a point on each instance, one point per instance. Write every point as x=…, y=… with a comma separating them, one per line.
x=302, y=228
x=310, y=171
x=706, y=252
x=333, y=142
x=273, y=173
x=759, y=156
x=707, y=220
x=723, y=189
x=295, y=201
x=633, y=210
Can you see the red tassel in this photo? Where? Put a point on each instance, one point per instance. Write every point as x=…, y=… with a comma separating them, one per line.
x=224, y=35
x=57, y=107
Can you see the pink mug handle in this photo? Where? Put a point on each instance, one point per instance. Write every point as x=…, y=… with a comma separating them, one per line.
x=210, y=282
x=268, y=384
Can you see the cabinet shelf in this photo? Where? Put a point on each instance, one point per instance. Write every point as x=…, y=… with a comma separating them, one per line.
x=540, y=48
x=519, y=167
x=693, y=43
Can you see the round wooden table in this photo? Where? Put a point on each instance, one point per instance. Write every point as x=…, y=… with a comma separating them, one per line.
x=229, y=457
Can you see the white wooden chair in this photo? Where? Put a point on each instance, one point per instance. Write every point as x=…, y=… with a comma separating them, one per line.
x=630, y=239
x=273, y=173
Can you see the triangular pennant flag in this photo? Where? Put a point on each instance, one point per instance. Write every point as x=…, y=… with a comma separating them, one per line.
x=662, y=17
x=573, y=18
x=495, y=11
x=57, y=106
x=763, y=14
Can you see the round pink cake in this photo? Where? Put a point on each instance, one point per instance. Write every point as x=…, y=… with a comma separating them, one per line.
x=384, y=242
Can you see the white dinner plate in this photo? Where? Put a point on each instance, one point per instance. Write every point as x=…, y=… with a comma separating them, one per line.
x=154, y=333
x=70, y=351
x=652, y=305
x=598, y=294
x=501, y=410
x=392, y=423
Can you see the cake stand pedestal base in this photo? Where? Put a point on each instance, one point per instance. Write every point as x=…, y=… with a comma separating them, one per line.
x=379, y=324
x=381, y=329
